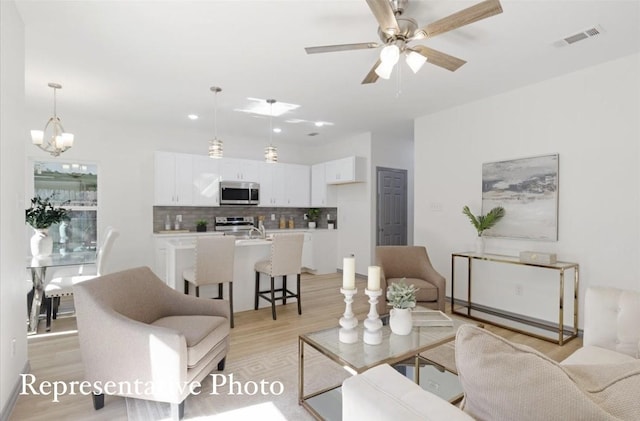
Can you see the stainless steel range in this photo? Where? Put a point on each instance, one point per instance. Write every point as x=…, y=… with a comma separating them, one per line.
x=234, y=225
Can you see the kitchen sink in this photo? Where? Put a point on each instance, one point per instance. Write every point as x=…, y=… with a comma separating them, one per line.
x=247, y=240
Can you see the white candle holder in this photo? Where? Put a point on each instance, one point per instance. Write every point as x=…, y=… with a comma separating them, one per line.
x=373, y=324
x=348, y=333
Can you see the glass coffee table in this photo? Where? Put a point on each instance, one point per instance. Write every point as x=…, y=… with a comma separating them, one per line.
x=402, y=352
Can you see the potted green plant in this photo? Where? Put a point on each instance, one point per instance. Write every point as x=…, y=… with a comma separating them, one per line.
x=402, y=298
x=201, y=225
x=41, y=215
x=483, y=222
x=313, y=214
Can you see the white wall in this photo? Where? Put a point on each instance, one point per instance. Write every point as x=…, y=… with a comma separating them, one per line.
x=13, y=356
x=393, y=148
x=353, y=200
x=591, y=119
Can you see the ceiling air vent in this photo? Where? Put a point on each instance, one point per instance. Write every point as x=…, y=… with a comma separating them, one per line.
x=572, y=39
x=313, y=134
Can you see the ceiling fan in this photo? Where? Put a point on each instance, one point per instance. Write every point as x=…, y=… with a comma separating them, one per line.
x=396, y=33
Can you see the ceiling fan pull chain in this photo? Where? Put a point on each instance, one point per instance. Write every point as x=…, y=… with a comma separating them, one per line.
x=399, y=82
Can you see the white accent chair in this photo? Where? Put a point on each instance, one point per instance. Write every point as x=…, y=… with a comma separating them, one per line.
x=135, y=330
x=214, y=265
x=63, y=285
x=285, y=259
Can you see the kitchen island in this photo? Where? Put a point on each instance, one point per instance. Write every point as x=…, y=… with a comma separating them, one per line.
x=176, y=252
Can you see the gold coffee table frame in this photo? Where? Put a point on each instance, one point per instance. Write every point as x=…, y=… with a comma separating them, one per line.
x=359, y=357
x=564, y=335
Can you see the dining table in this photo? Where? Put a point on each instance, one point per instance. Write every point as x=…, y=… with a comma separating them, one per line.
x=38, y=266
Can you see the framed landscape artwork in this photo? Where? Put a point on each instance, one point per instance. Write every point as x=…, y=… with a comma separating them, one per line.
x=527, y=189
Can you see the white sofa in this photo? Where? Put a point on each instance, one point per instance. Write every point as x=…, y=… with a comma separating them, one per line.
x=600, y=381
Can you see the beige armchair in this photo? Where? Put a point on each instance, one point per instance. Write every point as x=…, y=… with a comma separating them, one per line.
x=412, y=263
x=135, y=330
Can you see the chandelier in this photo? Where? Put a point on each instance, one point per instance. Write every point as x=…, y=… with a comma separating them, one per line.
x=215, y=145
x=58, y=140
x=271, y=152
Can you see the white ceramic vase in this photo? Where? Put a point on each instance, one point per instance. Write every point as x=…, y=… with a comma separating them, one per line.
x=479, y=245
x=312, y=224
x=400, y=321
x=41, y=243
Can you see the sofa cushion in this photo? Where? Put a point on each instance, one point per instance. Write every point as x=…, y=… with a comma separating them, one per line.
x=383, y=394
x=202, y=333
x=507, y=381
x=596, y=355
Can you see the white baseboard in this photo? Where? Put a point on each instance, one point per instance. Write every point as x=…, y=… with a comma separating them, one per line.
x=13, y=397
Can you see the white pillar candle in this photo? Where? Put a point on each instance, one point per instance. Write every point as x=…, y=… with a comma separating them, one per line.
x=373, y=281
x=349, y=273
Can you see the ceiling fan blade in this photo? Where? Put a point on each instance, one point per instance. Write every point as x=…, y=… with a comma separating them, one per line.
x=439, y=58
x=464, y=17
x=383, y=12
x=340, y=47
x=372, y=76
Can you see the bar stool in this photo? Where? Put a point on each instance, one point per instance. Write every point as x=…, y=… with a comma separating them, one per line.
x=285, y=259
x=214, y=265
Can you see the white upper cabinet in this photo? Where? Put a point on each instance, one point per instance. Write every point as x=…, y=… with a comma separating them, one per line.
x=240, y=169
x=173, y=179
x=298, y=185
x=272, y=184
x=284, y=185
x=321, y=194
x=206, y=178
x=345, y=170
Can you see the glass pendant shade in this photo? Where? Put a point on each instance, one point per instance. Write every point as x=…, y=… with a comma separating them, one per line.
x=271, y=152
x=53, y=139
x=384, y=69
x=216, y=149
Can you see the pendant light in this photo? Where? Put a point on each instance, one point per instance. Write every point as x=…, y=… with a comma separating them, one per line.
x=215, y=145
x=271, y=152
x=59, y=140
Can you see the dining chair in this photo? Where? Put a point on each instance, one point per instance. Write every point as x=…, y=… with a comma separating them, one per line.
x=214, y=265
x=285, y=259
x=63, y=285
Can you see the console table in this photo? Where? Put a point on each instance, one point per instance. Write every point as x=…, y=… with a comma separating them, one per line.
x=559, y=333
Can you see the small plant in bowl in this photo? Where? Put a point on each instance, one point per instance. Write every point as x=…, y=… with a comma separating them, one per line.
x=201, y=225
x=402, y=296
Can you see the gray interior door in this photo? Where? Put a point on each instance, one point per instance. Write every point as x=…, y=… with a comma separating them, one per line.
x=392, y=207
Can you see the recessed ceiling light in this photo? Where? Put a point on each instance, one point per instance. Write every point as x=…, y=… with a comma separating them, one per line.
x=277, y=129
x=322, y=123
x=319, y=124
x=260, y=106
x=192, y=117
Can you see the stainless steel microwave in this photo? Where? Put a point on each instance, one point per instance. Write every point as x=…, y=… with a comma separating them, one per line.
x=239, y=193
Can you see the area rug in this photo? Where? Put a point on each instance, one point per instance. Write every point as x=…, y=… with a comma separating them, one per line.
x=279, y=365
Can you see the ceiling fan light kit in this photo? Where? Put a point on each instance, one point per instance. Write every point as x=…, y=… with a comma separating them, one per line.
x=397, y=31
x=59, y=140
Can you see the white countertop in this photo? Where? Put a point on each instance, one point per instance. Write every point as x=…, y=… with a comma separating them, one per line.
x=197, y=234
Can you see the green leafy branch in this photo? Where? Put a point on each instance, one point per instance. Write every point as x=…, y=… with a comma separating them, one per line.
x=401, y=295
x=482, y=223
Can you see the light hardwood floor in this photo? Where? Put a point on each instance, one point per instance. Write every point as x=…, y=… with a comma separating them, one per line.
x=55, y=356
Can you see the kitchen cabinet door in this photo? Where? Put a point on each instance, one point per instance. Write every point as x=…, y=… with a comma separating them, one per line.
x=346, y=170
x=321, y=193
x=240, y=169
x=206, y=178
x=173, y=179
x=298, y=183
x=272, y=185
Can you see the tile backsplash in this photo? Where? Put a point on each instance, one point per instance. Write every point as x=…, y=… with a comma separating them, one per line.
x=191, y=214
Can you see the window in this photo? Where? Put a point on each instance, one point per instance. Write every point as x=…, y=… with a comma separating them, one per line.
x=73, y=186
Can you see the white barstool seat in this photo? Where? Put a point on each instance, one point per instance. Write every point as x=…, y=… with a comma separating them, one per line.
x=285, y=259
x=214, y=265
x=63, y=285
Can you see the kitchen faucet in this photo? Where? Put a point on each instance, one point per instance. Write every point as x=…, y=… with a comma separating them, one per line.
x=261, y=230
